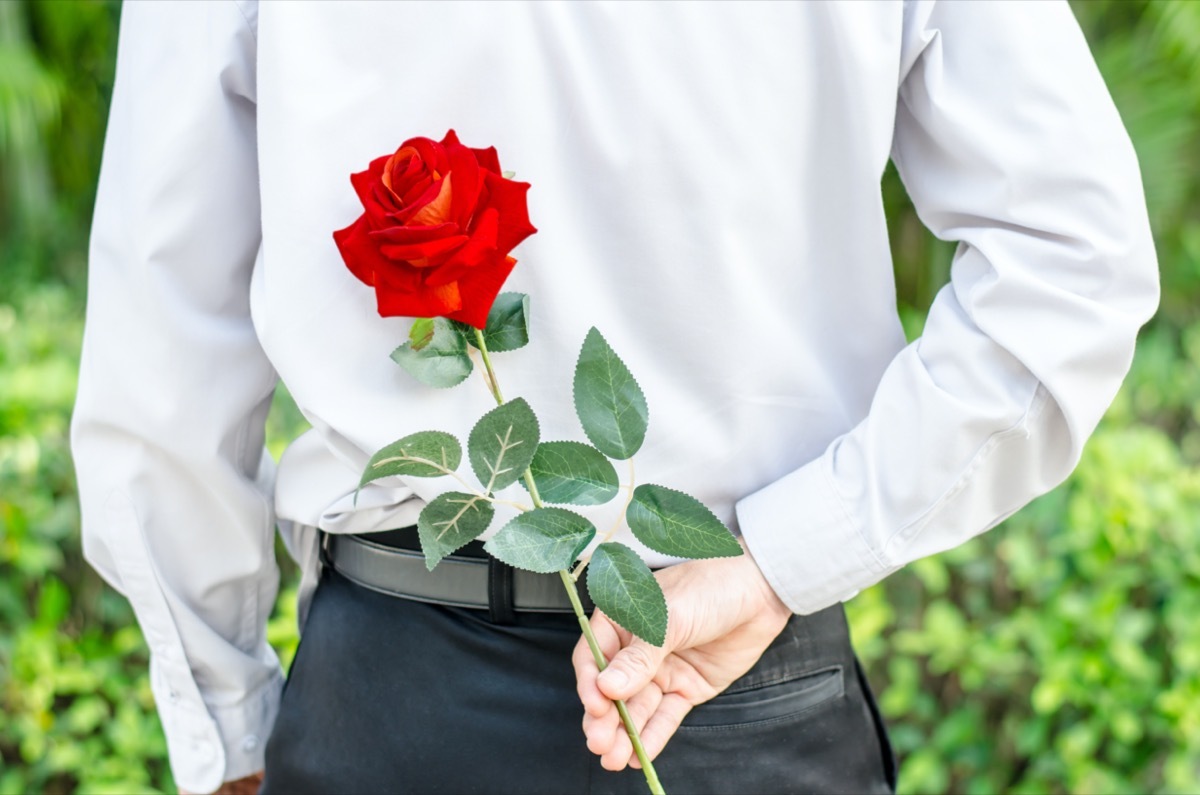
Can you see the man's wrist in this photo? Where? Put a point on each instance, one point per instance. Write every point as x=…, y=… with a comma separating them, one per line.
x=769, y=598
x=247, y=785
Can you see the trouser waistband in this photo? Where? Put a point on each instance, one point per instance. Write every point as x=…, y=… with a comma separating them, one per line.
x=390, y=562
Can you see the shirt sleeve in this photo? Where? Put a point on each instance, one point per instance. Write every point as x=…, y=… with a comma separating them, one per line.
x=174, y=387
x=1008, y=143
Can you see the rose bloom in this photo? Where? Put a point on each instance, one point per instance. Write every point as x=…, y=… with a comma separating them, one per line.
x=439, y=220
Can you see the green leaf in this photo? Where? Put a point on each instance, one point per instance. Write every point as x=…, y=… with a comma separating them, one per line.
x=675, y=523
x=624, y=588
x=573, y=473
x=435, y=354
x=544, y=540
x=421, y=333
x=427, y=454
x=507, y=326
x=449, y=521
x=609, y=402
x=502, y=444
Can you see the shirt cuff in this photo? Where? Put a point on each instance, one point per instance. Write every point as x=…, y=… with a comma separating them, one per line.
x=245, y=727
x=806, y=543
x=211, y=744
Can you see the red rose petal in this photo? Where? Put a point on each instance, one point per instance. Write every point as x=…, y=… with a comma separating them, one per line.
x=437, y=209
x=420, y=253
x=376, y=199
x=400, y=235
x=401, y=169
x=364, y=182
x=398, y=277
x=376, y=211
x=481, y=248
x=432, y=154
x=448, y=294
x=488, y=159
x=508, y=197
x=423, y=192
x=408, y=305
x=418, y=161
x=405, y=175
x=382, y=206
x=359, y=252
x=415, y=167
x=424, y=302
x=414, y=188
x=467, y=181
x=438, y=223
x=479, y=288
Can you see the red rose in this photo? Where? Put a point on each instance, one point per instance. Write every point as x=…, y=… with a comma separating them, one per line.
x=439, y=221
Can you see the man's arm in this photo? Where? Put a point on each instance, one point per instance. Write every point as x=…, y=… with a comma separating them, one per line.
x=174, y=388
x=1008, y=142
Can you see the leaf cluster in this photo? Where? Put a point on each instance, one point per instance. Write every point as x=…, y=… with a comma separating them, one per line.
x=504, y=447
x=438, y=350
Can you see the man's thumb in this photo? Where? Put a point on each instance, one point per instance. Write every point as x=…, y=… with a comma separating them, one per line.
x=631, y=670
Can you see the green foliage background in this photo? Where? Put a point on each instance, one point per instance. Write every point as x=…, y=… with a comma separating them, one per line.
x=1057, y=653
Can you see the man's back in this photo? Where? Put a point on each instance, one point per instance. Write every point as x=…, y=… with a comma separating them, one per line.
x=706, y=186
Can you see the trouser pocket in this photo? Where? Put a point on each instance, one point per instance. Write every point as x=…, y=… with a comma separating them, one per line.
x=800, y=721
x=775, y=701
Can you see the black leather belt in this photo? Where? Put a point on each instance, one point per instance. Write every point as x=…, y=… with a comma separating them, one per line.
x=390, y=562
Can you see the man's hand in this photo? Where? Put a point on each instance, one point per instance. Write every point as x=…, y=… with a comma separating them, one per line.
x=242, y=786
x=723, y=615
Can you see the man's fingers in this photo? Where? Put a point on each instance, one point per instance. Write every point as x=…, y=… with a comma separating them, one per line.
x=641, y=709
x=594, y=702
x=601, y=731
x=662, y=724
x=606, y=736
x=618, y=755
x=643, y=705
x=608, y=635
x=631, y=670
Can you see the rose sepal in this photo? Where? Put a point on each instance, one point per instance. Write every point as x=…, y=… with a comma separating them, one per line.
x=507, y=326
x=435, y=354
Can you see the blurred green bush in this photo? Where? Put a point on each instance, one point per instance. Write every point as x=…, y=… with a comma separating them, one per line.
x=1060, y=652
x=1057, y=653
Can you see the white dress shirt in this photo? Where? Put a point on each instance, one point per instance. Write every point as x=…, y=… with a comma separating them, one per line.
x=706, y=181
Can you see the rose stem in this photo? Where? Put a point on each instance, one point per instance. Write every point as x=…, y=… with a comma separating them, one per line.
x=601, y=663
x=569, y=584
x=492, y=383
x=616, y=525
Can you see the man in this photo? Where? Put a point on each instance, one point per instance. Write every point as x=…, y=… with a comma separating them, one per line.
x=706, y=186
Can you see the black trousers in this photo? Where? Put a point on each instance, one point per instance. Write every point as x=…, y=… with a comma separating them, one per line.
x=389, y=695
